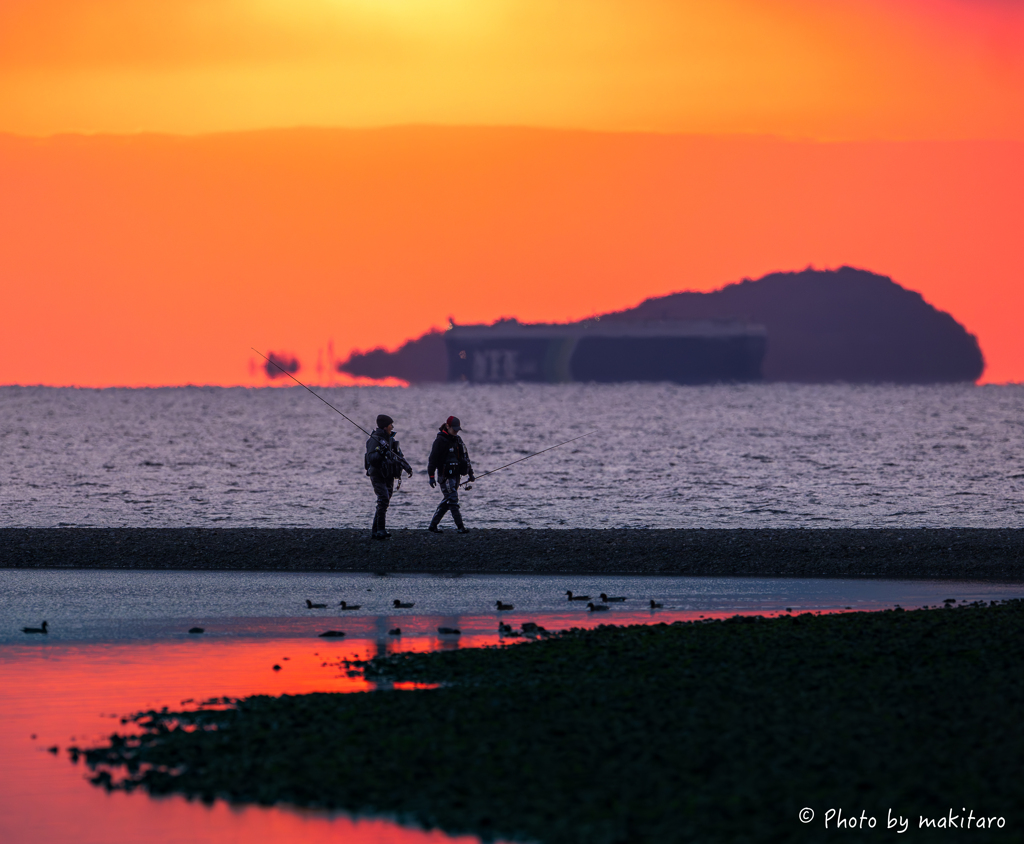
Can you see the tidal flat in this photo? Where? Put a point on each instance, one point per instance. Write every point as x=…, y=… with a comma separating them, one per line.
x=723, y=730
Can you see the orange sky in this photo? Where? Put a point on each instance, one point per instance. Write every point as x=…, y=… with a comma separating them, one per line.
x=851, y=69
x=161, y=257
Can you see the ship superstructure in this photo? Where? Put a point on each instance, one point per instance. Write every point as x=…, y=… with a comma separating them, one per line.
x=685, y=352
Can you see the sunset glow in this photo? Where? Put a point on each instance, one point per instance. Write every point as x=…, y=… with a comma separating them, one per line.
x=855, y=69
x=158, y=217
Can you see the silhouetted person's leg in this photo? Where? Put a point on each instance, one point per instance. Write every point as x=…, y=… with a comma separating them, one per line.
x=383, y=491
x=442, y=508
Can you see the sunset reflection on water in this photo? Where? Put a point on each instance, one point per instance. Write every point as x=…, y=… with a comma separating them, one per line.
x=67, y=694
x=57, y=692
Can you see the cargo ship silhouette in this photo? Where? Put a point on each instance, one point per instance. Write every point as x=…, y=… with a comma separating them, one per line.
x=683, y=351
x=826, y=326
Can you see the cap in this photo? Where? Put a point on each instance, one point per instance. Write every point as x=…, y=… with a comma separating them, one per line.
x=384, y=420
x=453, y=423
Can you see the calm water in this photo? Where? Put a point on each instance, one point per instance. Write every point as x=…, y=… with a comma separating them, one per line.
x=663, y=456
x=118, y=644
x=145, y=606
x=58, y=694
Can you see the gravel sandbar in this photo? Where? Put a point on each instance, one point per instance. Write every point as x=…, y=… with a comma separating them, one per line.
x=947, y=553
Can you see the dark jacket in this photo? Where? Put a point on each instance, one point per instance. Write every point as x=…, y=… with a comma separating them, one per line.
x=384, y=458
x=448, y=456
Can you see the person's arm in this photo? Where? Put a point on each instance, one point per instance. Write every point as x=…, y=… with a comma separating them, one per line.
x=401, y=459
x=432, y=463
x=373, y=453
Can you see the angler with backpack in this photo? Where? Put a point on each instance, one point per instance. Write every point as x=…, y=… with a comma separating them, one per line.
x=384, y=464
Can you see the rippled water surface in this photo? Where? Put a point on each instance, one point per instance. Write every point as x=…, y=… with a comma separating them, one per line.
x=664, y=456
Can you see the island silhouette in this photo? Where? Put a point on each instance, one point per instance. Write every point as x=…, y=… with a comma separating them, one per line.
x=845, y=325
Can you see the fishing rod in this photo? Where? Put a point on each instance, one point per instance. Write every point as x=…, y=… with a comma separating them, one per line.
x=361, y=428
x=528, y=456
x=297, y=381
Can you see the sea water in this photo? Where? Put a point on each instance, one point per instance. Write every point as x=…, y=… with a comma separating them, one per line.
x=659, y=456
x=655, y=455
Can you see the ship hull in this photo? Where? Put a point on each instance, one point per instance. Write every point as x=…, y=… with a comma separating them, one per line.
x=684, y=353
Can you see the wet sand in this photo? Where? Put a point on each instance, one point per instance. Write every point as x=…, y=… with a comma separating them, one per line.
x=952, y=553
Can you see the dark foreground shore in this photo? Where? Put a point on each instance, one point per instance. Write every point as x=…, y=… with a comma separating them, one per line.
x=745, y=730
x=914, y=553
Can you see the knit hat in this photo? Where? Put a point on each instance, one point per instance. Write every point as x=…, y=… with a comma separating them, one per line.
x=384, y=420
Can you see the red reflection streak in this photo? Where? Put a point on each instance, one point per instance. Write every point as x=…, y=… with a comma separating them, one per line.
x=66, y=694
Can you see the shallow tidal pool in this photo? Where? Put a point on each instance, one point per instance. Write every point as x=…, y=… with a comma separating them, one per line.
x=119, y=643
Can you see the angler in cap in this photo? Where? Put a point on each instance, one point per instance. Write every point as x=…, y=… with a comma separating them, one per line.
x=384, y=463
x=449, y=457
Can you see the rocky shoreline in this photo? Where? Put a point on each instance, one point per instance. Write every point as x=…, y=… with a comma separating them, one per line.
x=919, y=553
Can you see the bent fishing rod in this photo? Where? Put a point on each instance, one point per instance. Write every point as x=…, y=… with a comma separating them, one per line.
x=297, y=381
x=521, y=459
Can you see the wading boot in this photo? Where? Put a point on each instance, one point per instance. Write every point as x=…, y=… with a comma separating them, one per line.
x=457, y=515
x=438, y=514
x=380, y=531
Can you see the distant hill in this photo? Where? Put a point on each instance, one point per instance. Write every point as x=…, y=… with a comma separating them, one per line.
x=823, y=326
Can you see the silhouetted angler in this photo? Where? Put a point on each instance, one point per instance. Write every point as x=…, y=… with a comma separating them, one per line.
x=384, y=463
x=449, y=458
